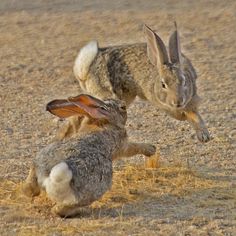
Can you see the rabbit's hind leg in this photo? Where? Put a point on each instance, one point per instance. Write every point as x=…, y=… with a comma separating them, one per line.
x=69, y=129
x=30, y=187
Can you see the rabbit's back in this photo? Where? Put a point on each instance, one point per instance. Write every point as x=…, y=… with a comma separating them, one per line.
x=129, y=65
x=120, y=70
x=125, y=72
x=89, y=159
x=131, y=73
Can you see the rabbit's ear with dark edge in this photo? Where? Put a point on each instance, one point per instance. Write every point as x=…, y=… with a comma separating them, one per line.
x=174, y=47
x=81, y=105
x=63, y=108
x=156, y=49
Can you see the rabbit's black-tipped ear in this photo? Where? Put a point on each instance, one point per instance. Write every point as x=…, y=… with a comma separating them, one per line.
x=156, y=49
x=81, y=105
x=174, y=47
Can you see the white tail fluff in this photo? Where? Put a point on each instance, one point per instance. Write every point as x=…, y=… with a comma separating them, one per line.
x=61, y=173
x=84, y=59
x=57, y=185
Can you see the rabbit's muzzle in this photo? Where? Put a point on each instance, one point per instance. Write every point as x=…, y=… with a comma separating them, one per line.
x=175, y=98
x=178, y=102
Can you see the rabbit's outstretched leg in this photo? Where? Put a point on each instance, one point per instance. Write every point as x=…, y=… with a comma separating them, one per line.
x=131, y=149
x=198, y=124
x=30, y=187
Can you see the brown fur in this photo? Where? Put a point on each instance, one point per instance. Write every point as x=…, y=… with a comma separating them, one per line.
x=147, y=71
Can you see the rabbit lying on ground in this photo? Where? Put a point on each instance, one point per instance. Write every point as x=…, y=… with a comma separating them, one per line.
x=77, y=171
x=143, y=70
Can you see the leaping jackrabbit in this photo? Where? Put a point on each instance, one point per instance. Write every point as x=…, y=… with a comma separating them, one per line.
x=144, y=70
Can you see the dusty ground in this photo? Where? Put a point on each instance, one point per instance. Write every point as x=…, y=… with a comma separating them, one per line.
x=193, y=192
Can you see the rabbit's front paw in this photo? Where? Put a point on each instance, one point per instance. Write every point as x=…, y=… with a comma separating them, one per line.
x=203, y=135
x=150, y=150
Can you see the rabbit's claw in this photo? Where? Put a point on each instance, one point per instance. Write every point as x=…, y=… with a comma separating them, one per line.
x=150, y=150
x=203, y=135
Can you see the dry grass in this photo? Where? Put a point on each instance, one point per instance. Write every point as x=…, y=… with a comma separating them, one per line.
x=133, y=185
x=136, y=183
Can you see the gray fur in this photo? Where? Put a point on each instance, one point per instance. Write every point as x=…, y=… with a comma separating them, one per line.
x=89, y=156
x=90, y=160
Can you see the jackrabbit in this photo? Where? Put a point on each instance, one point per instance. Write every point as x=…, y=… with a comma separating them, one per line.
x=77, y=171
x=146, y=71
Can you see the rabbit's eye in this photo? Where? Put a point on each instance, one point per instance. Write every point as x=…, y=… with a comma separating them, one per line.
x=163, y=84
x=104, y=108
x=123, y=107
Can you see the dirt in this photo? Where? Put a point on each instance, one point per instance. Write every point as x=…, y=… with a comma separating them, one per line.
x=193, y=192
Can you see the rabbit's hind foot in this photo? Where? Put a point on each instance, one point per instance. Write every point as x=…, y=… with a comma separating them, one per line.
x=66, y=210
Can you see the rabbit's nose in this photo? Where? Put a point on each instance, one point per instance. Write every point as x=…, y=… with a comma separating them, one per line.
x=174, y=103
x=178, y=103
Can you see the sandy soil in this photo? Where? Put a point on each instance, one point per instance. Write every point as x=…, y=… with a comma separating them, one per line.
x=193, y=192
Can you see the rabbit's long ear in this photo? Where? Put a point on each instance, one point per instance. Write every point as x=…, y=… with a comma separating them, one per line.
x=84, y=105
x=156, y=49
x=174, y=47
x=64, y=108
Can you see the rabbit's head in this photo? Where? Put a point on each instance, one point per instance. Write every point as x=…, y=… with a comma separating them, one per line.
x=175, y=87
x=109, y=111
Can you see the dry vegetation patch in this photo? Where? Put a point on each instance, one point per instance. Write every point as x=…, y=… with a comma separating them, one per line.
x=133, y=186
